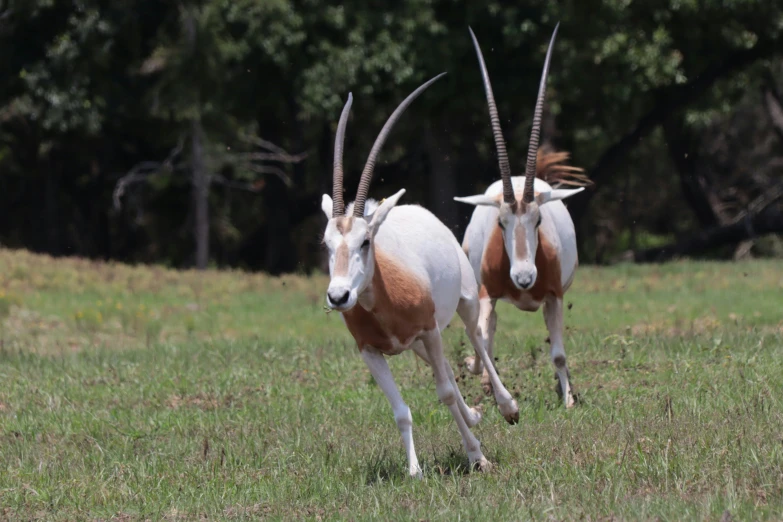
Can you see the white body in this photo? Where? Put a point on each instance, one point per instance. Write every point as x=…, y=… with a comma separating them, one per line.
x=426, y=258
x=556, y=230
x=397, y=275
x=432, y=253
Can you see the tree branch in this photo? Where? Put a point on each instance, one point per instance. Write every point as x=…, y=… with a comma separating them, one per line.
x=247, y=160
x=239, y=185
x=141, y=171
x=774, y=107
x=262, y=143
x=4, y=16
x=667, y=100
x=759, y=204
x=242, y=160
x=757, y=220
x=283, y=157
x=271, y=169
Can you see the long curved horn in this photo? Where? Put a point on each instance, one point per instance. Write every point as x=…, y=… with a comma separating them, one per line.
x=364, y=182
x=535, y=133
x=497, y=132
x=338, y=205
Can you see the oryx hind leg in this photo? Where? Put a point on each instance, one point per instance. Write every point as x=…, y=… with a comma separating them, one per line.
x=472, y=416
x=553, y=316
x=448, y=393
x=468, y=311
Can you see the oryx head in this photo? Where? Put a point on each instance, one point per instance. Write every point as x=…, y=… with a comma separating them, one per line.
x=519, y=216
x=350, y=239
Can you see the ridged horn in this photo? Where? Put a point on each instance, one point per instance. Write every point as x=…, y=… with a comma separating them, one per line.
x=497, y=132
x=535, y=133
x=338, y=204
x=364, y=182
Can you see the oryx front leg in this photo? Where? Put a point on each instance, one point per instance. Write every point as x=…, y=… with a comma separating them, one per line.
x=448, y=393
x=553, y=315
x=470, y=314
x=488, y=321
x=472, y=416
x=402, y=414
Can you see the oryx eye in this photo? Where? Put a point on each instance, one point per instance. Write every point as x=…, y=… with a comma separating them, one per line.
x=366, y=243
x=500, y=224
x=539, y=221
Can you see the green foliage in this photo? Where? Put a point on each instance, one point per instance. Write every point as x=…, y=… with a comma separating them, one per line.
x=102, y=87
x=58, y=89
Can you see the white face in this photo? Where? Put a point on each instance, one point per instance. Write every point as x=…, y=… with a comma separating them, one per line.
x=520, y=237
x=351, y=260
x=351, y=244
x=520, y=230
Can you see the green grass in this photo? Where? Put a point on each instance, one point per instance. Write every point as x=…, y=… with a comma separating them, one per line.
x=144, y=393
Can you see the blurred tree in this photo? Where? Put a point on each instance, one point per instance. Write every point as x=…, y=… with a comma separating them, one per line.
x=93, y=88
x=195, y=65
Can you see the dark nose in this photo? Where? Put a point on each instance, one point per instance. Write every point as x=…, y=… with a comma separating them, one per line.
x=338, y=300
x=525, y=281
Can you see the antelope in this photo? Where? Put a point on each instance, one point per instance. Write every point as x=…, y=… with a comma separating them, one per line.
x=520, y=240
x=397, y=275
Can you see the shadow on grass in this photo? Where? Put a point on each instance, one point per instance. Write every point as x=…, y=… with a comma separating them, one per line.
x=383, y=469
x=453, y=463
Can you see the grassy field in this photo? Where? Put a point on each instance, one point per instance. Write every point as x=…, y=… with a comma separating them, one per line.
x=143, y=393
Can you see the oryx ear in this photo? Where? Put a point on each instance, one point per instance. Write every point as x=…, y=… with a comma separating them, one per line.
x=326, y=205
x=383, y=210
x=556, y=194
x=480, y=199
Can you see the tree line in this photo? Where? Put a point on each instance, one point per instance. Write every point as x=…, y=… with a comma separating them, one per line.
x=200, y=132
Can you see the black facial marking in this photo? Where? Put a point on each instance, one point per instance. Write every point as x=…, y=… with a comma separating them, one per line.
x=366, y=244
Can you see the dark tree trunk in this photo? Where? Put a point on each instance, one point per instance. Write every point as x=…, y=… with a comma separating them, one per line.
x=442, y=186
x=470, y=173
x=280, y=253
x=768, y=221
x=325, y=157
x=696, y=189
x=279, y=249
x=325, y=160
x=52, y=207
x=774, y=107
x=201, y=182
